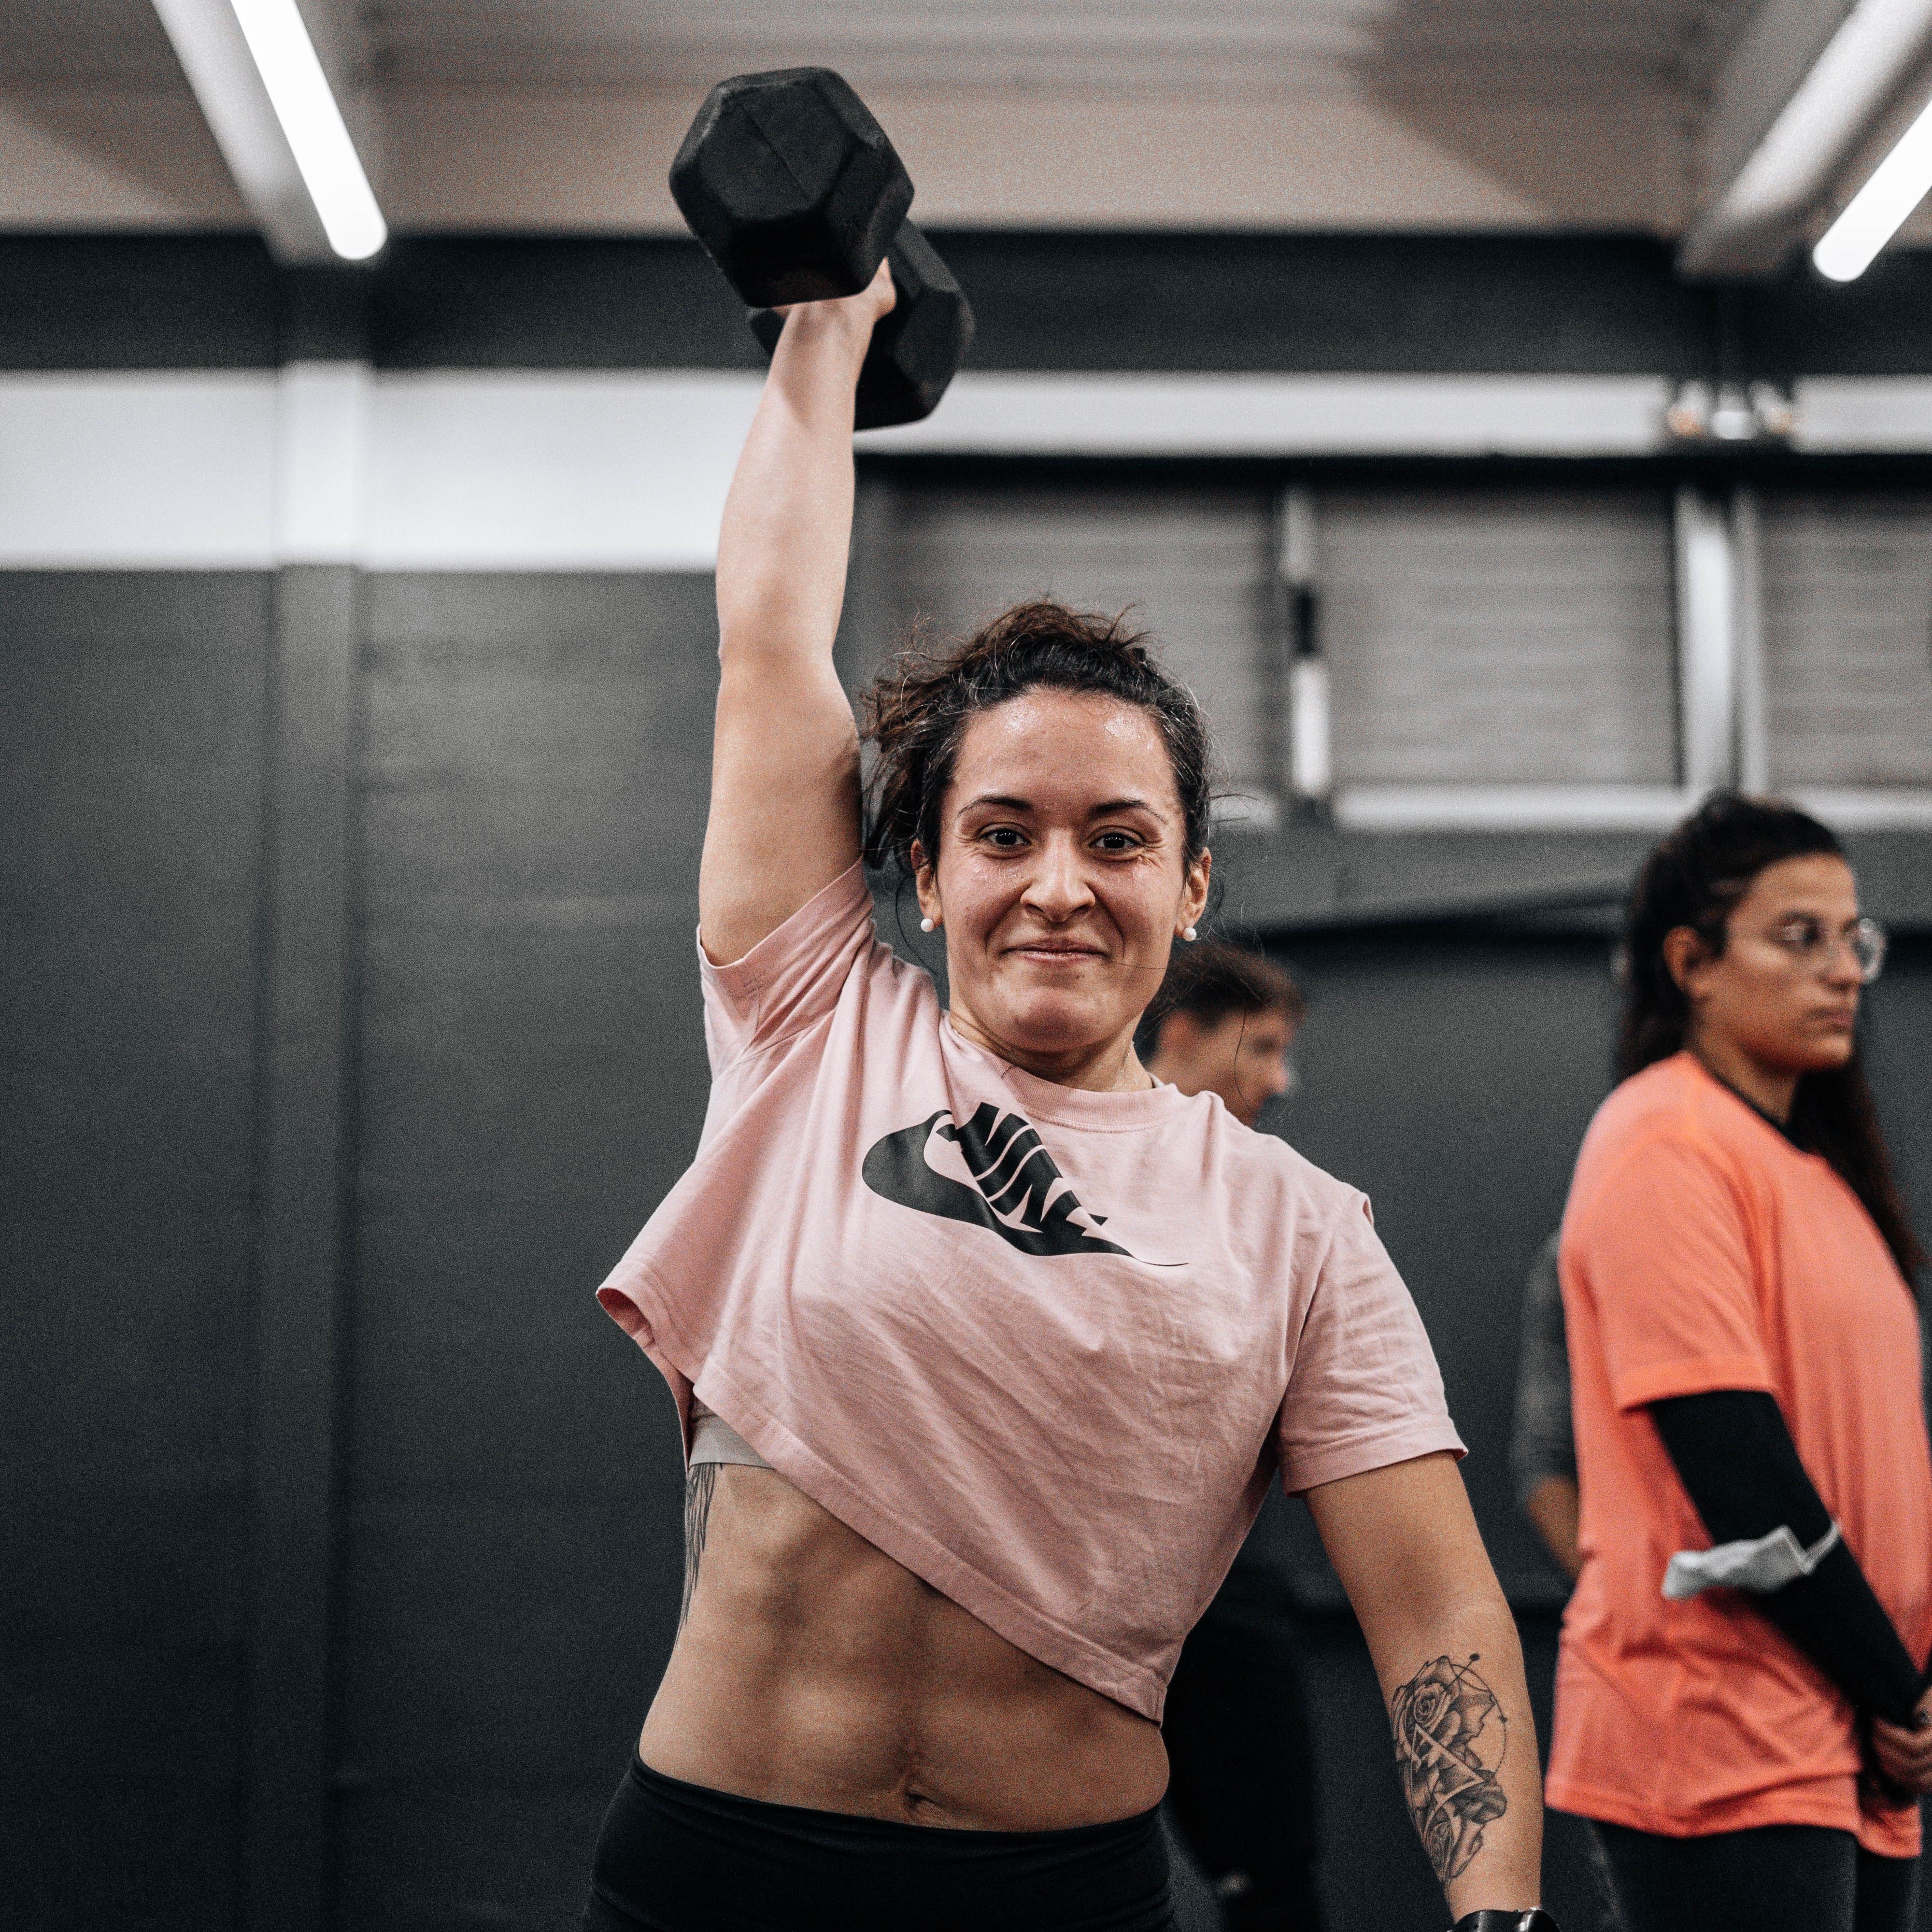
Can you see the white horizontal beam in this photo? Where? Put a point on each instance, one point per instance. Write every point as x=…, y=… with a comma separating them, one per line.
x=136, y=471
x=1867, y=808
x=321, y=459
x=1855, y=415
x=1583, y=808
x=323, y=462
x=1511, y=808
x=993, y=413
x=543, y=471
x=627, y=470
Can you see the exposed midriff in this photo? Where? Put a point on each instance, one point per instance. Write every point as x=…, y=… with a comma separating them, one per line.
x=813, y=1669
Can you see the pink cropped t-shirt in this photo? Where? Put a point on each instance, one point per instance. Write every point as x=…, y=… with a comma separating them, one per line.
x=1045, y=1348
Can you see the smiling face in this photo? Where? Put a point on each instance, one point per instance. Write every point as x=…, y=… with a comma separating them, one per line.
x=1063, y=880
x=1782, y=998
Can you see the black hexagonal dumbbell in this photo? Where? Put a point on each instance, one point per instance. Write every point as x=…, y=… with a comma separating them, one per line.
x=797, y=194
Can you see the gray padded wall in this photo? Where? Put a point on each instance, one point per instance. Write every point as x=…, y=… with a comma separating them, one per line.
x=532, y=1080
x=1450, y=1077
x=527, y=1079
x=131, y=711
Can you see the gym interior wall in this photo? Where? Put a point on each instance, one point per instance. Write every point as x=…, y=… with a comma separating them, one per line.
x=353, y=790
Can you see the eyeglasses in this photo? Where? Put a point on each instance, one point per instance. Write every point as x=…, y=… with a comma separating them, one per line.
x=1812, y=945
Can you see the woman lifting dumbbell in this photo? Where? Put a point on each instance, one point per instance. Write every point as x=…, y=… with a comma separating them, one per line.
x=985, y=1344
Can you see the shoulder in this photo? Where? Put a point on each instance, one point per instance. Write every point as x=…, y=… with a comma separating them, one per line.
x=1664, y=1096
x=1672, y=1111
x=1262, y=1167
x=1672, y=1167
x=825, y=957
x=831, y=919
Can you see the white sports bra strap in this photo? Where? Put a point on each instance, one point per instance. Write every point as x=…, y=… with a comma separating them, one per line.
x=714, y=1440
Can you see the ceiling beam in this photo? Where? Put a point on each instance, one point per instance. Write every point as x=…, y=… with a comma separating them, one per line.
x=1803, y=87
x=235, y=100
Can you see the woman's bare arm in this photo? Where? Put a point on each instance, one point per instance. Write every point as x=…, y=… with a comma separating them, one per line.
x=1406, y=1547
x=784, y=775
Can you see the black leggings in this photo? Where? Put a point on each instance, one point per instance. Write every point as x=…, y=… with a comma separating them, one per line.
x=679, y=1858
x=1777, y=1878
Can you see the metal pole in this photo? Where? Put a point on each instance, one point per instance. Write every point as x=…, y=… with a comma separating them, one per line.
x=1311, y=776
x=1753, y=727
x=1706, y=643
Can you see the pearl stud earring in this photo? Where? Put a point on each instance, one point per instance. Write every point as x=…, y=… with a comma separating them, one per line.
x=1188, y=932
x=926, y=925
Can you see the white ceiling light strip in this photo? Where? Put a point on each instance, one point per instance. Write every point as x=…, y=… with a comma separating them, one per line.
x=1876, y=213
x=265, y=95
x=1757, y=219
x=312, y=124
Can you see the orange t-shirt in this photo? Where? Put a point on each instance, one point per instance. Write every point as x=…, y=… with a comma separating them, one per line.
x=1703, y=1250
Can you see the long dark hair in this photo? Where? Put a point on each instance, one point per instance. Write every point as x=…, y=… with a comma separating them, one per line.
x=917, y=709
x=1695, y=877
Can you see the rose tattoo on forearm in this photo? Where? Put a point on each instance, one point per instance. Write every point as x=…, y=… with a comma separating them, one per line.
x=1447, y=1753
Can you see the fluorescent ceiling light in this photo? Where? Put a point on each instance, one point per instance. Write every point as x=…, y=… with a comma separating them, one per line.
x=1759, y=217
x=1873, y=215
x=312, y=124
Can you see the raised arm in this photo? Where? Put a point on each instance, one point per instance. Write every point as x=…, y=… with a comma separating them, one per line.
x=785, y=774
x=1406, y=1546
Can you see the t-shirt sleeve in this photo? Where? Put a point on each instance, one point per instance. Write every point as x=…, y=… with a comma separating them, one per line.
x=1364, y=1391
x=1660, y=1251
x=792, y=977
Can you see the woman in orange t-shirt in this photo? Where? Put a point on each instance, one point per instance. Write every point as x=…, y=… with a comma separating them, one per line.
x=1740, y=1701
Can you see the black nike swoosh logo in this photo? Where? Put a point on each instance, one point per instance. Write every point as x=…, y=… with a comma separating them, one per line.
x=1019, y=1194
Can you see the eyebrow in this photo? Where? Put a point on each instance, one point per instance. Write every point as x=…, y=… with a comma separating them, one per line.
x=1006, y=803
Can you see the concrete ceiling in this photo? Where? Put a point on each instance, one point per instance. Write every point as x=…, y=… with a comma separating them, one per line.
x=1589, y=45
x=560, y=116
x=1013, y=42
x=106, y=43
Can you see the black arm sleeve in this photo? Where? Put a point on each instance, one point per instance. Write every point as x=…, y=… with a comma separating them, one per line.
x=1741, y=1468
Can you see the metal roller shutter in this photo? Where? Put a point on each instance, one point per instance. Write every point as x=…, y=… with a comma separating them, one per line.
x=1491, y=636
x=1518, y=636
x=1192, y=561
x=1847, y=602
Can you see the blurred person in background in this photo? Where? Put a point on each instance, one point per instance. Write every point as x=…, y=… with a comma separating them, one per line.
x=1223, y=1023
x=1240, y=1773
x=1542, y=1448
x=1740, y=1696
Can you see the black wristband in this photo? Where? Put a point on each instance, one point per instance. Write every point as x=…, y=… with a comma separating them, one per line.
x=1535, y=1921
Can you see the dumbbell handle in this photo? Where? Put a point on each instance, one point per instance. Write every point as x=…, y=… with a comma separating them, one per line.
x=884, y=396
x=767, y=324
